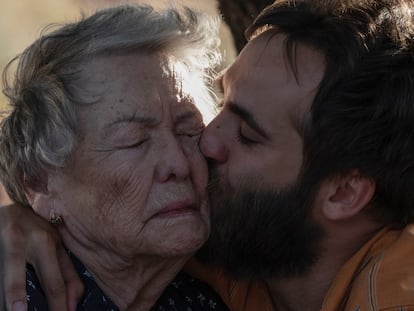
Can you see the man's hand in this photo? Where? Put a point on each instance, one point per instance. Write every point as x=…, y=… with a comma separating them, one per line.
x=26, y=237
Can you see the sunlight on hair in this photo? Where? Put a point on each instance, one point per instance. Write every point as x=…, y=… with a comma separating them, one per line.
x=191, y=83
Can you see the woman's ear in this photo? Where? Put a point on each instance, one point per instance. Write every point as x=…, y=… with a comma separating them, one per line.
x=345, y=196
x=38, y=195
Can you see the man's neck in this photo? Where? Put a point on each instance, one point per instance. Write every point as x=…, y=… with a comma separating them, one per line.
x=308, y=291
x=303, y=292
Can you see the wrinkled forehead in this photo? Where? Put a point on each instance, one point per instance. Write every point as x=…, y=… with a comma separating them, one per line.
x=140, y=84
x=141, y=71
x=179, y=78
x=190, y=85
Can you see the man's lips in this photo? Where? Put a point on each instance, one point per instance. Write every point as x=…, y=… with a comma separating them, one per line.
x=177, y=209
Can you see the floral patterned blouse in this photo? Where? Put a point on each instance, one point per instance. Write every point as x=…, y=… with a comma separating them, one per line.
x=184, y=293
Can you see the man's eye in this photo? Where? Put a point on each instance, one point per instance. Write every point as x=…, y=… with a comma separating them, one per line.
x=244, y=140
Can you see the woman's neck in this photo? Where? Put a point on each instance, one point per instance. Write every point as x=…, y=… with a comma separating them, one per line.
x=139, y=285
x=131, y=282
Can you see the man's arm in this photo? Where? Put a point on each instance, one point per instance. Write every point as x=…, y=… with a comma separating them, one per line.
x=26, y=237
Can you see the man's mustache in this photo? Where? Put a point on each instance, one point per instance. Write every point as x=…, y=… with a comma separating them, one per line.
x=215, y=183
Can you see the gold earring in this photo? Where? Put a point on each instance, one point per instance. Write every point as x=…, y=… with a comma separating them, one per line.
x=55, y=219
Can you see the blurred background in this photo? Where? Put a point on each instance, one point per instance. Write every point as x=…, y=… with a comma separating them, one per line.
x=22, y=21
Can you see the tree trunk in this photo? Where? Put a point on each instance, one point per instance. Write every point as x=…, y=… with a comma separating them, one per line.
x=239, y=14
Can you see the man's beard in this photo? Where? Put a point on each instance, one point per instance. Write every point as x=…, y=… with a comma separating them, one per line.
x=262, y=234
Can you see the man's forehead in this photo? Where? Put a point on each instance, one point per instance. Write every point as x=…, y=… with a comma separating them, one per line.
x=263, y=83
x=269, y=54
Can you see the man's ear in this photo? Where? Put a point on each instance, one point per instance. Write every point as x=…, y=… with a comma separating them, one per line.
x=345, y=196
x=38, y=195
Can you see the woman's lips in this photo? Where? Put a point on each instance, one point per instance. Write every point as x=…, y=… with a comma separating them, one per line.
x=177, y=209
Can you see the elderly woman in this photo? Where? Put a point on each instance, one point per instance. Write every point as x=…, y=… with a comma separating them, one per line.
x=102, y=140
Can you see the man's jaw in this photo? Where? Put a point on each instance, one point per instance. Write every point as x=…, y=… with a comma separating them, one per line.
x=260, y=234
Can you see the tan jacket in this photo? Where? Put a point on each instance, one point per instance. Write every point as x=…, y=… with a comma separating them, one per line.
x=380, y=277
x=238, y=296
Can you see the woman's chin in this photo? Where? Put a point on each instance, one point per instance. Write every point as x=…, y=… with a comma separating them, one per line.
x=184, y=241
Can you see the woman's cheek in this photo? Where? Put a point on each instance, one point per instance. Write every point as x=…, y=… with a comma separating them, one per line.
x=198, y=164
x=127, y=186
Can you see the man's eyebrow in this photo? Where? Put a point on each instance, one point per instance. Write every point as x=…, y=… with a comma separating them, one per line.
x=247, y=117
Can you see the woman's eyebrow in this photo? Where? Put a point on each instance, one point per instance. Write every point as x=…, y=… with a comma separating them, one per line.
x=142, y=120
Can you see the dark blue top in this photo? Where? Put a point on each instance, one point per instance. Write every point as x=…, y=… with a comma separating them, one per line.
x=183, y=293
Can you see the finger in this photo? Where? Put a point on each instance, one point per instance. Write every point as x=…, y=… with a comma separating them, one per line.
x=48, y=270
x=14, y=267
x=74, y=285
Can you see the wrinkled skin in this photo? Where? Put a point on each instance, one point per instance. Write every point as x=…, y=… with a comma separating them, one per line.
x=145, y=128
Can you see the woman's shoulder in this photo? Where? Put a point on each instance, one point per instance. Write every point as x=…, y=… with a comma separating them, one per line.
x=94, y=298
x=183, y=293
x=188, y=293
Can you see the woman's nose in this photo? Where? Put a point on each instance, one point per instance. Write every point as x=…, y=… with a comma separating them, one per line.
x=212, y=143
x=173, y=164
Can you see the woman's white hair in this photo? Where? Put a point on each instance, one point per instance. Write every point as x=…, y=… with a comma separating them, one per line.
x=40, y=131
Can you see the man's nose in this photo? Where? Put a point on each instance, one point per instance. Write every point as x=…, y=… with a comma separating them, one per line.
x=173, y=164
x=212, y=143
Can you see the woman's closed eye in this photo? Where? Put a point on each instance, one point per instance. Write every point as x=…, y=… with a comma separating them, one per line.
x=190, y=132
x=130, y=138
x=134, y=144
